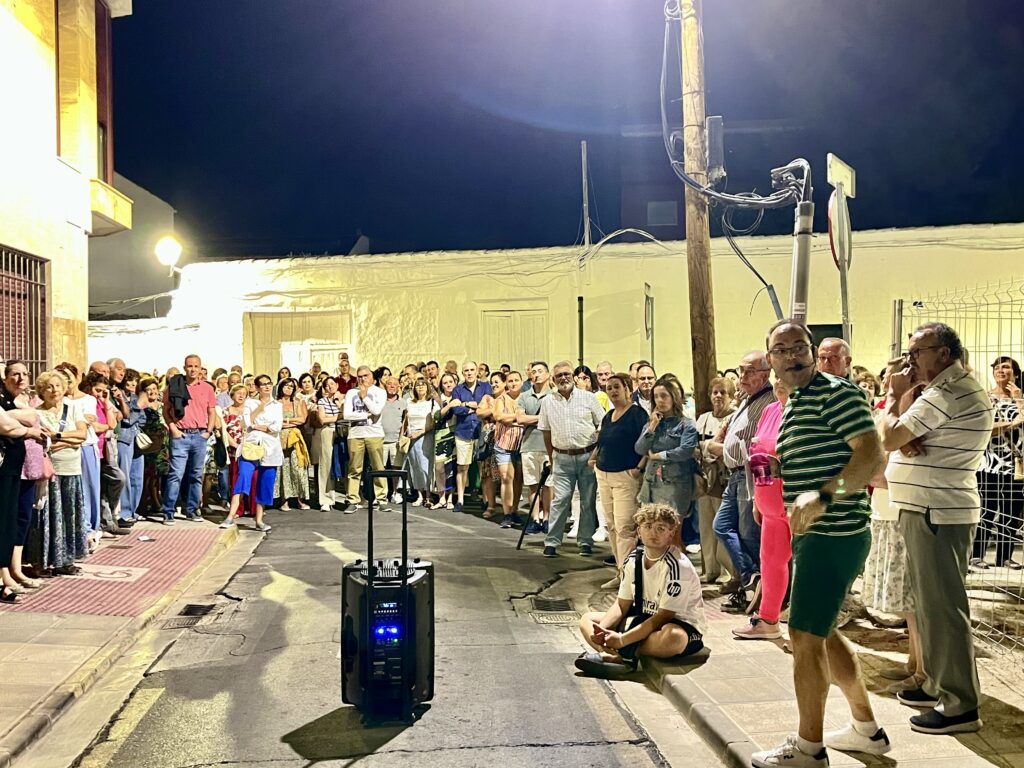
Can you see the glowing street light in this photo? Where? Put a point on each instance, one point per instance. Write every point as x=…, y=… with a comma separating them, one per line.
x=168, y=251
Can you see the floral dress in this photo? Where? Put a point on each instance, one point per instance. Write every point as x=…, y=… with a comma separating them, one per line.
x=293, y=478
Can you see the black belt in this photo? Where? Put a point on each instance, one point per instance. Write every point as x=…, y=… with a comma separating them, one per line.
x=192, y=429
x=576, y=451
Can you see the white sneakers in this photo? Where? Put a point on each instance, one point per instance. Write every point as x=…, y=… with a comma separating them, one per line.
x=849, y=739
x=601, y=534
x=758, y=629
x=789, y=755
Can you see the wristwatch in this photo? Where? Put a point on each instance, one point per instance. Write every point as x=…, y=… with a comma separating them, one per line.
x=57, y=437
x=825, y=496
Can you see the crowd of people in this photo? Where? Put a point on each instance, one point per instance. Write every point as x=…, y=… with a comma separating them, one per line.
x=806, y=474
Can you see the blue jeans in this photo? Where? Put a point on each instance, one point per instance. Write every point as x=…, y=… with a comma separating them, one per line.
x=188, y=457
x=133, y=468
x=91, y=486
x=567, y=473
x=735, y=527
x=224, y=483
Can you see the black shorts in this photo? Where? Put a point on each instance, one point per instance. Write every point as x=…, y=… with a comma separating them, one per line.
x=695, y=640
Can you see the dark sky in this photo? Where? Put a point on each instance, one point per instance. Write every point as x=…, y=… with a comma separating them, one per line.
x=277, y=127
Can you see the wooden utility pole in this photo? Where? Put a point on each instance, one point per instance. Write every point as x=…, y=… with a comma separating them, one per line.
x=698, y=236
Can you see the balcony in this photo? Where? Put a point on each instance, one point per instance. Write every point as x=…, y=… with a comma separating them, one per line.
x=111, y=210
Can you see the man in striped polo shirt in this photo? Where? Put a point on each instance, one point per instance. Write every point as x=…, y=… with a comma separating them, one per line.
x=933, y=482
x=828, y=450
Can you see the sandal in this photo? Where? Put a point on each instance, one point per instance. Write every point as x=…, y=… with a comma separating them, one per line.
x=30, y=583
x=7, y=596
x=67, y=570
x=488, y=513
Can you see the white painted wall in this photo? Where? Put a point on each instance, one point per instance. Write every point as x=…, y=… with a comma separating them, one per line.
x=406, y=307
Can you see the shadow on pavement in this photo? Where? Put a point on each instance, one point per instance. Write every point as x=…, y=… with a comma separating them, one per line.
x=339, y=735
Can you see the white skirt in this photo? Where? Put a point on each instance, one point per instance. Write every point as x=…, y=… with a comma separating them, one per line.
x=886, y=579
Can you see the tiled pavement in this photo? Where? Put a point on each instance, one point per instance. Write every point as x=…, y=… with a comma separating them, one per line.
x=741, y=698
x=55, y=643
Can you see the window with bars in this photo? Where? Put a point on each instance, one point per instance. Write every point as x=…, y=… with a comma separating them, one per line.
x=23, y=308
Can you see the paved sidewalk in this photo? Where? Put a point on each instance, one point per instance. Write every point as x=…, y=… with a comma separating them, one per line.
x=57, y=641
x=740, y=697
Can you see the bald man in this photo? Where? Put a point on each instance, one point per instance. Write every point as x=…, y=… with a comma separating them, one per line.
x=835, y=357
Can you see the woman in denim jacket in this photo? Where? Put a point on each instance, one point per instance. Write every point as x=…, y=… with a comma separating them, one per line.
x=667, y=445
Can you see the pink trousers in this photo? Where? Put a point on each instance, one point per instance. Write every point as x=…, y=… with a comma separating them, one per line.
x=776, y=550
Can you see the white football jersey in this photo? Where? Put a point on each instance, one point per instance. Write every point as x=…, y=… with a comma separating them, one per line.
x=671, y=584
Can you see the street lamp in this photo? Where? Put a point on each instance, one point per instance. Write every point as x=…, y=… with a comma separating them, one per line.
x=168, y=251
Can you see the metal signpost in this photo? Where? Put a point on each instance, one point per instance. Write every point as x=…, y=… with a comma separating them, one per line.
x=840, y=235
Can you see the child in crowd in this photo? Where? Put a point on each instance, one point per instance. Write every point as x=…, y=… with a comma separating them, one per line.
x=659, y=611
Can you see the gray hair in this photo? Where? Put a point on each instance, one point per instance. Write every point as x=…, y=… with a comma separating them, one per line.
x=841, y=342
x=562, y=364
x=945, y=336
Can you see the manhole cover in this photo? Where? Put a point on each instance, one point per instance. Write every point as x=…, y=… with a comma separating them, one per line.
x=551, y=603
x=556, y=617
x=180, y=622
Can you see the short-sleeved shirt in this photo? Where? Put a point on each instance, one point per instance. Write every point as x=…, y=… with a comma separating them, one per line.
x=743, y=426
x=954, y=415
x=616, y=444
x=391, y=419
x=530, y=402
x=813, y=445
x=197, y=411
x=670, y=584
x=574, y=421
x=329, y=405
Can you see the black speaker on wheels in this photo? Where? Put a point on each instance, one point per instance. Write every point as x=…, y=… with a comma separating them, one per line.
x=387, y=628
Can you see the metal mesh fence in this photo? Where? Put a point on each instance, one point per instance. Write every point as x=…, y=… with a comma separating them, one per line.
x=990, y=322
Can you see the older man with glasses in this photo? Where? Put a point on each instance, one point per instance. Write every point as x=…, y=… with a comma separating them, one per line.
x=936, y=491
x=188, y=436
x=570, y=419
x=363, y=407
x=734, y=522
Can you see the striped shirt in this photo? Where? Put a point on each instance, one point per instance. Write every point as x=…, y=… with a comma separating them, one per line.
x=818, y=424
x=743, y=426
x=954, y=416
x=573, y=422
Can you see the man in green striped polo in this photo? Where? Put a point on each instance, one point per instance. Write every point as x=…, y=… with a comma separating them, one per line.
x=828, y=450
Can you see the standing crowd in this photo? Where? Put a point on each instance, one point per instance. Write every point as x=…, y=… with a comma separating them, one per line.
x=806, y=474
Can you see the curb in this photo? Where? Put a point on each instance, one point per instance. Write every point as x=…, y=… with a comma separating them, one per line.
x=40, y=718
x=729, y=742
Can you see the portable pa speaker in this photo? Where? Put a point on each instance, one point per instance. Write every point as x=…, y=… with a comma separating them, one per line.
x=387, y=623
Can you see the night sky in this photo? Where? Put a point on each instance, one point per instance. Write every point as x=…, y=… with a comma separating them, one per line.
x=288, y=127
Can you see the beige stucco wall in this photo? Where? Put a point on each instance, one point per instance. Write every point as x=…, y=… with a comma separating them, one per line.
x=414, y=306
x=44, y=197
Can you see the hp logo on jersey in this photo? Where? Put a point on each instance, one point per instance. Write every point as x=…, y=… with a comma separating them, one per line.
x=673, y=589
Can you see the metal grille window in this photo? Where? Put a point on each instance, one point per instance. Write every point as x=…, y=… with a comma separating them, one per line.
x=990, y=322
x=23, y=308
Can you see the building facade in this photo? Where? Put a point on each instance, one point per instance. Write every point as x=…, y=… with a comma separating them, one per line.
x=520, y=305
x=56, y=162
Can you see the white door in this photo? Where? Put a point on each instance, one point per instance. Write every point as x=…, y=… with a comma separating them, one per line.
x=516, y=337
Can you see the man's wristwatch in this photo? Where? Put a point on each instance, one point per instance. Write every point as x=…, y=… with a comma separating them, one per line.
x=57, y=437
x=825, y=497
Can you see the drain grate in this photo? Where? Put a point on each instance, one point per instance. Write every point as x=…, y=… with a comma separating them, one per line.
x=180, y=622
x=556, y=617
x=548, y=604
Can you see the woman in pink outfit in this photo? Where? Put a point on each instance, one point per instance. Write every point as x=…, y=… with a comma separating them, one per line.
x=770, y=513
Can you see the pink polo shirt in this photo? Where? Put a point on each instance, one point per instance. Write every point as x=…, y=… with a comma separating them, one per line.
x=197, y=410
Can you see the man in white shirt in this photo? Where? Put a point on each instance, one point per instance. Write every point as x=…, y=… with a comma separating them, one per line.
x=363, y=406
x=570, y=419
x=941, y=439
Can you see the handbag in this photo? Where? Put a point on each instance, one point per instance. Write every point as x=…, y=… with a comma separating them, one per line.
x=253, y=451
x=143, y=442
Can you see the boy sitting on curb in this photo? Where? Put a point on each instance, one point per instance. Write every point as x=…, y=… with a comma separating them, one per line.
x=663, y=616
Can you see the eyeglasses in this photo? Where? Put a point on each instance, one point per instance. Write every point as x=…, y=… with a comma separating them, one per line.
x=913, y=354
x=264, y=384
x=656, y=527
x=564, y=375
x=797, y=350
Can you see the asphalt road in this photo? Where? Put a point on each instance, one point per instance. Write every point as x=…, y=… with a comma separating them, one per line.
x=256, y=682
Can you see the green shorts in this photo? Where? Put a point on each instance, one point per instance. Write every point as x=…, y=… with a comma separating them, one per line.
x=824, y=569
